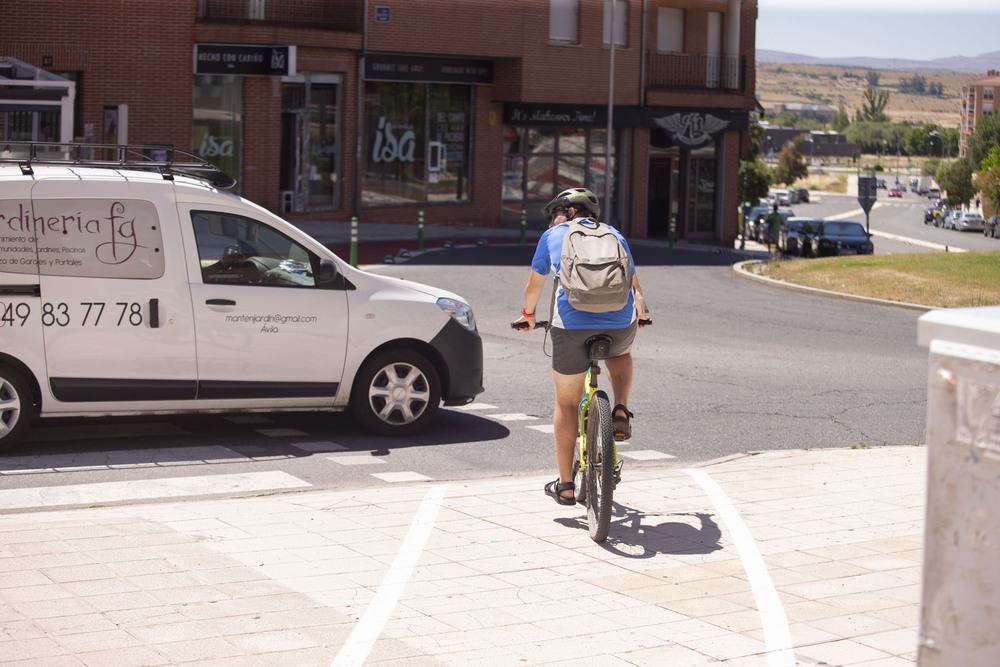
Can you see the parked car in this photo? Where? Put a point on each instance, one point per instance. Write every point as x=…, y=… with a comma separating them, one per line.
x=172, y=295
x=803, y=196
x=754, y=221
x=895, y=191
x=786, y=213
x=968, y=221
x=796, y=236
x=934, y=193
x=950, y=216
x=990, y=227
x=914, y=182
x=843, y=237
x=931, y=214
x=880, y=184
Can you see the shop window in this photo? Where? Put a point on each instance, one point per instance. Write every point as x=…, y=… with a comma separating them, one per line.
x=563, y=21
x=669, y=30
x=620, y=22
x=402, y=120
x=539, y=162
x=310, y=142
x=218, y=117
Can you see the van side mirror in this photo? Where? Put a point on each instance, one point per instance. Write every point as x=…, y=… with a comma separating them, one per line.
x=330, y=276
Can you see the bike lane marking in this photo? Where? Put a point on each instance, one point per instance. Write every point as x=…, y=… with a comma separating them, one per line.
x=355, y=651
x=774, y=622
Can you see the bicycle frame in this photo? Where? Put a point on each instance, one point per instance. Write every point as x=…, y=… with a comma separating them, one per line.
x=583, y=413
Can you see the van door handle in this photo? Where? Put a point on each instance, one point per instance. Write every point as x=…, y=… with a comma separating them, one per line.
x=220, y=302
x=154, y=313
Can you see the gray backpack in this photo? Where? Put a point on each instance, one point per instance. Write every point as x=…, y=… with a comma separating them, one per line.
x=594, y=269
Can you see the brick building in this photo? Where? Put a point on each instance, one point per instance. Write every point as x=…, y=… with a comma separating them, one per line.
x=470, y=110
x=977, y=101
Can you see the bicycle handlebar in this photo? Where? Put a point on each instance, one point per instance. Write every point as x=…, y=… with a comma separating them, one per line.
x=524, y=325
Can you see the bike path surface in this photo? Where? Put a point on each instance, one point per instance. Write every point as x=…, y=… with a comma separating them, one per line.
x=777, y=558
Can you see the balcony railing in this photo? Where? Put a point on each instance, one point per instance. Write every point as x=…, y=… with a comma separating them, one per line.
x=698, y=72
x=339, y=15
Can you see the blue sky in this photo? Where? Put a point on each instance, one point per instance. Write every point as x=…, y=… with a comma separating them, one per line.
x=910, y=29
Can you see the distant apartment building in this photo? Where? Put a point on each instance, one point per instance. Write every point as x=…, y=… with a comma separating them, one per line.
x=977, y=101
x=472, y=112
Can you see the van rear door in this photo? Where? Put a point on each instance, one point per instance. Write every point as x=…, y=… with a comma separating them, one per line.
x=115, y=310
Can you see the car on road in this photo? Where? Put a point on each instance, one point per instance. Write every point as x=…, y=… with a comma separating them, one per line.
x=796, y=236
x=880, y=184
x=949, y=216
x=841, y=237
x=990, y=227
x=967, y=221
x=803, y=196
x=895, y=191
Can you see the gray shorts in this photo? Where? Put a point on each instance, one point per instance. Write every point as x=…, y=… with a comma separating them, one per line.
x=569, y=347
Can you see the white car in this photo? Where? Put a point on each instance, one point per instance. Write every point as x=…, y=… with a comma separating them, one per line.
x=136, y=287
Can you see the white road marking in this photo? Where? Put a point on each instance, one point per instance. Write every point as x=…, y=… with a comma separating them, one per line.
x=475, y=406
x=356, y=460
x=147, y=489
x=543, y=428
x=646, y=455
x=514, y=417
x=369, y=627
x=118, y=460
x=774, y=622
x=281, y=432
x=404, y=476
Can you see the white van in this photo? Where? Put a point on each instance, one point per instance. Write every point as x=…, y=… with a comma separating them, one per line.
x=136, y=287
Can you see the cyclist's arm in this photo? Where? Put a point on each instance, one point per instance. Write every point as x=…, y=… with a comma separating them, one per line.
x=641, y=311
x=532, y=292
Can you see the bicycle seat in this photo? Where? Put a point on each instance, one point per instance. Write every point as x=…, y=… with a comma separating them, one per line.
x=599, y=346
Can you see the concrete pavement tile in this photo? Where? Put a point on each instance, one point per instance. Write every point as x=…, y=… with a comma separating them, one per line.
x=24, y=579
x=273, y=641
x=733, y=646
x=10, y=596
x=101, y=640
x=13, y=652
x=806, y=610
x=50, y=661
x=642, y=616
x=699, y=607
x=687, y=630
x=63, y=625
x=21, y=629
x=625, y=581
x=157, y=632
x=100, y=587
x=207, y=649
x=904, y=616
x=852, y=625
x=862, y=602
x=478, y=619
x=842, y=652
x=894, y=642
x=53, y=608
x=674, y=655
x=188, y=594
x=744, y=621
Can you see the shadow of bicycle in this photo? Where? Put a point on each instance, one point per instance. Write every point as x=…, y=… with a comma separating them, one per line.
x=633, y=536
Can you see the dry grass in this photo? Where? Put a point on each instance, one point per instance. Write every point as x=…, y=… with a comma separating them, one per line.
x=939, y=280
x=820, y=84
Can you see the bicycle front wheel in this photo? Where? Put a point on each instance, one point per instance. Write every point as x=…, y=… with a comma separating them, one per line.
x=601, y=467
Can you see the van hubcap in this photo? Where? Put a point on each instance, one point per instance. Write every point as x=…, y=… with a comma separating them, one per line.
x=10, y=407
x=399, y=393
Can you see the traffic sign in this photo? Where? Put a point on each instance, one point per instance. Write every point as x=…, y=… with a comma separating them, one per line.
x=867, y=192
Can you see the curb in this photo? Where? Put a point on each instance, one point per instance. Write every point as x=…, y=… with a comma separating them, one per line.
x=740, y=269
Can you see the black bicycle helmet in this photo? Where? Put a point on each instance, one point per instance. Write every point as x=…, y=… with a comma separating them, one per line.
x=581, y=198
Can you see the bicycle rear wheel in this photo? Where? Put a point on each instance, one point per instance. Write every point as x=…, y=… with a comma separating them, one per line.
x=600, y=478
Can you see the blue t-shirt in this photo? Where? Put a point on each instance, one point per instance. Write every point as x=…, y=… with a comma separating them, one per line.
x=546, y=259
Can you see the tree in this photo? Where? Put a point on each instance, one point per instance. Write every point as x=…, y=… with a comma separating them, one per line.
x=872, y=76
x=874, y=105
x=984, y=139
x=989, y=184
x=840, y=121
x=956, y=180
x=758, y=177
x=791, y=165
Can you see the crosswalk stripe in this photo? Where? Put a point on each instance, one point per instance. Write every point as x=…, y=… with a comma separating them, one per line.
x=118, y=459
x=404, y=476
x=147, y=489
x=356, y=460
x=646, y=455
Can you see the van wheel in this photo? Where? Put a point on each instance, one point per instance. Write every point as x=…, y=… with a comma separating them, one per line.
x=16, y=406
x=396, y=392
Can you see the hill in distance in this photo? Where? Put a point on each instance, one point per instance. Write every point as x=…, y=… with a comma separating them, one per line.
x=786, y=77
x=975, y=64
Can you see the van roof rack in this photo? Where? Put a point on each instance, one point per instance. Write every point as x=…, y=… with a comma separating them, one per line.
x=160, y=158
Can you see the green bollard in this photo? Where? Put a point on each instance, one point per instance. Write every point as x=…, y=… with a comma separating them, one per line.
x=354, y=242
x=673, y=232
x=524, y=224
x=838, y=246
x=420, y=231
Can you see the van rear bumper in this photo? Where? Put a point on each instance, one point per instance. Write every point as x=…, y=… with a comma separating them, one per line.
x=461, y=352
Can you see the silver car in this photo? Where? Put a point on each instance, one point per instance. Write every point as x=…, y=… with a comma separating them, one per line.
x=967, y=221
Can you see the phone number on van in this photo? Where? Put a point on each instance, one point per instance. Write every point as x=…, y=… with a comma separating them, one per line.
x=90, y=313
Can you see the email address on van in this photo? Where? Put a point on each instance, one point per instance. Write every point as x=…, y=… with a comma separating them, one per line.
x=274, y=319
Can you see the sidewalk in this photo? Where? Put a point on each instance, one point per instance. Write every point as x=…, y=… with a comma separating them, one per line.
x=778, y=558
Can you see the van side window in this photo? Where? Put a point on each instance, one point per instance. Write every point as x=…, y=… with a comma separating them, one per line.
x=234, y=250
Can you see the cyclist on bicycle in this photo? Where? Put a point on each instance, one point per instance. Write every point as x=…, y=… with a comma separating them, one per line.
x=570, y=328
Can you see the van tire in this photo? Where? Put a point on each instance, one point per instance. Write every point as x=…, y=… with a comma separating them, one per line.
x=396, y=392
x=16, y=406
